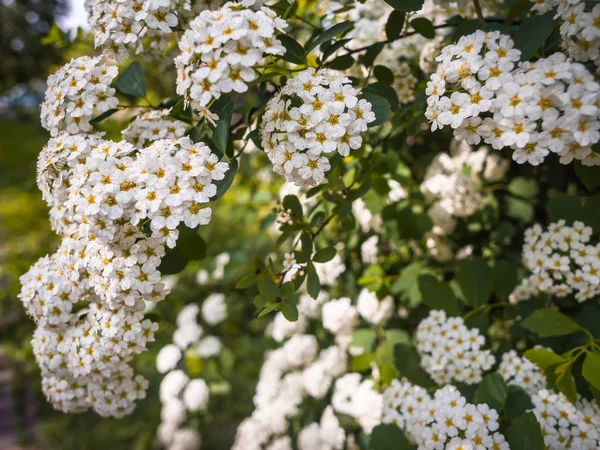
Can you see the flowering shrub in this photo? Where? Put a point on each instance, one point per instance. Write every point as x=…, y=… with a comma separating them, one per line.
x=322, y=214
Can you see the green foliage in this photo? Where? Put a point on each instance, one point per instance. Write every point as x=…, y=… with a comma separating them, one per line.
x=132, y=81
x=475, y=280
x=493, y=391
x=525, y=434
x=388, y=437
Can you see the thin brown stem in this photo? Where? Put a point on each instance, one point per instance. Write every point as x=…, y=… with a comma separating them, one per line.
x=478, y=11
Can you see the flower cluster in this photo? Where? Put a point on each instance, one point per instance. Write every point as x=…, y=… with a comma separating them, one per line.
x=116, y=208
x=450, y=351
x=565, y=425
x=562, y=260
x=119, y=25
x=220, y=49
x=446, y=421
x=521, y=372
x=75, y=92
x=152, y=126
x=580, y=30
x=180, y=396
x=536, y=108
x=314, y=115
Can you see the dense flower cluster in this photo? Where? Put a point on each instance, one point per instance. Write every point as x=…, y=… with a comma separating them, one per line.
x=536, y=108
x=314, y=115
x=565, y=425
x=75, y=92
x=180, y=396
x=580, y=30
x=220, y=49
x=116, y=208
x=152, y=126
x=521, y=372
x=450, y=351
x=562, y=260
x=119, y=25
x=446, y=421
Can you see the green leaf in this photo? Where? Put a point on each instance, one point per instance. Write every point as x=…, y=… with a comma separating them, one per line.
x=361, y=363
x=547, y=322
x=343, y=62
x=268, y=288
x=493, y=391
x=223, y=107
x=365, y=338
x=324, y=255
x=246, y=281
x=383, y=74
x=525, y=433
x=394, y=25
x=173, y=262
x=132, y=81
x=408, y=363
x=291, y=202
x=372, y=52
x=519, y=209
x=523, y=187
x=543, y=357
x=517, y=402
x=191, y=244
x=424, y=27
x=589, y=213
x=438, y=295
x=289, y=311
x=294, y=52
x=383, y=90
x=333, y=47
x=565, y=384
x=104, y=115
x=563, y=206
x=589, y=175
x=591, y=369
x=475, y=280
x=406, y=5
x=224, y=184
x=307, y=246
x=380, y=106
x=328, y=34
x=388, y=436
x=504, y=278
x=532, y=33
x=313, y=284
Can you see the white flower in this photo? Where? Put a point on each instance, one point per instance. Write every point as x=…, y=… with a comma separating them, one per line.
x=167, y=358
x=195, y=395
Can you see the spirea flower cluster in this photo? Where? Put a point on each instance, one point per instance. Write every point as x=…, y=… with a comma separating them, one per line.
x=316, y=115
x=563, y=261
x=116, y=208
x=565, y=425
x=181, y=397
x=520, y=371
x=534, y=108
x=446, y=421
x=75, y=92
x=220, y=49
x=119, y=25
x=580, y=29
x=152, y=126
x=450, y=351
